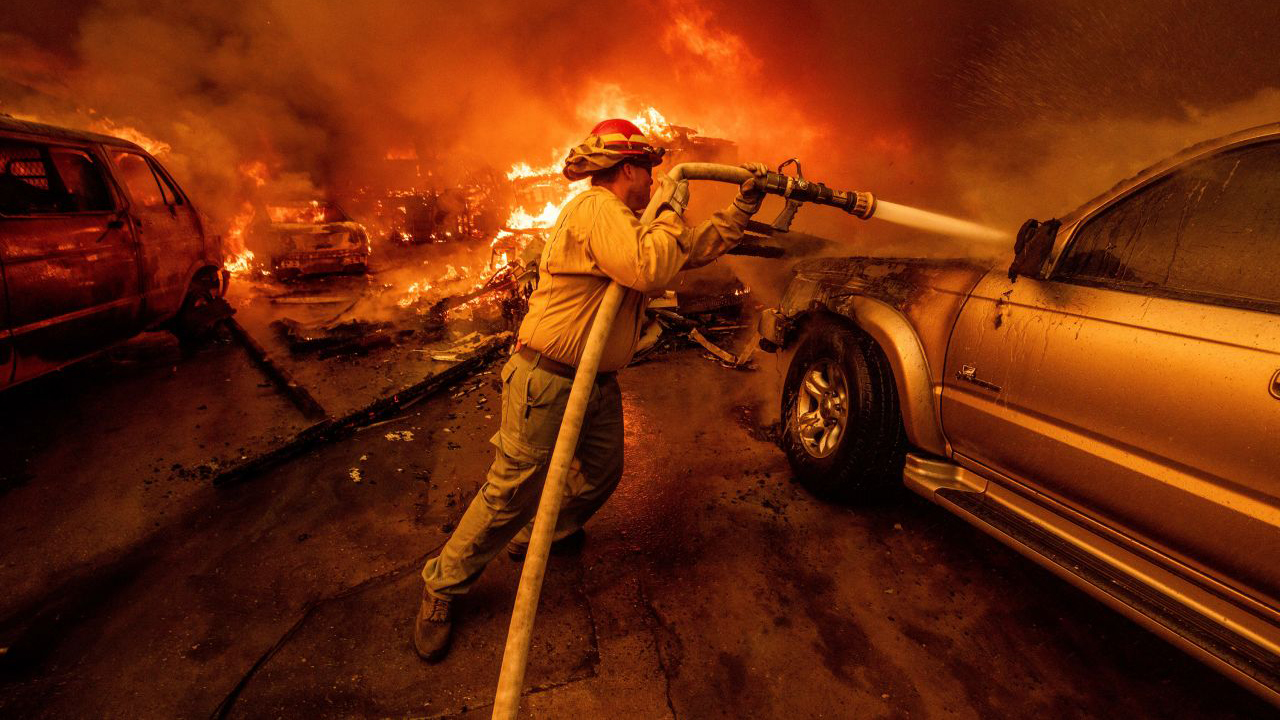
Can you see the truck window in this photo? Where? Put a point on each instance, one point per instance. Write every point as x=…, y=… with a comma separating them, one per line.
x=1125, y=245
x=1228, y=247
x=1208, y=231
x=170, y=191
x=28, y=184
x=138, y=178
x=82, y=179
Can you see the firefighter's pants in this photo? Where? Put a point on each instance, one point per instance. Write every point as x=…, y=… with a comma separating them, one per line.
x=533, y=402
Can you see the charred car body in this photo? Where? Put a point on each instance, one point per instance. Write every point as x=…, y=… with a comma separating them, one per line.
x=463, y=213
x=97, y=243
x=1109, y=406
x=314, y=237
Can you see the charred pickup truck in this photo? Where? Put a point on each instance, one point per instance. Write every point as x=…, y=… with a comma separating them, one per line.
x=97, y=243
x=314, y=237
x=1109, y=405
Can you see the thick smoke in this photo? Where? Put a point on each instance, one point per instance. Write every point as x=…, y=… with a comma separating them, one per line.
x=990, y=110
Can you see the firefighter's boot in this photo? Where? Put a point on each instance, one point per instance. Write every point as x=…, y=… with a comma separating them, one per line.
x=432, y=628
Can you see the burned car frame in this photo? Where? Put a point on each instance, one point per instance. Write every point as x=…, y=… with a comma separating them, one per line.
x=1108, y=405
x=314, y=237
x=97, y=243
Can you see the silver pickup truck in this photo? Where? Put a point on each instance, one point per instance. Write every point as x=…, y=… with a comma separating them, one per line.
x=1109, y=405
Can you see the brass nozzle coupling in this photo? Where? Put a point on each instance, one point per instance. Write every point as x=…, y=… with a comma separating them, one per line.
x=864, y=205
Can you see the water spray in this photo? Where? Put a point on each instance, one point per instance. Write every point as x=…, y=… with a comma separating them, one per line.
x=796, y=191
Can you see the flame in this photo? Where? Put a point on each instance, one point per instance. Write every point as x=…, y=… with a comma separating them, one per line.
x=525, y=170
x=107, y=126
x=653, y=124
x=414, y=293
x=241, y=258
x=240, y=263
x=132, y=134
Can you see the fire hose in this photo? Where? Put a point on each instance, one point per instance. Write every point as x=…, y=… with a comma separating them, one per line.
x=515, y=658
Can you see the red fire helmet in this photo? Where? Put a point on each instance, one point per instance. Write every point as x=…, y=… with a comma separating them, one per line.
x=622, y=136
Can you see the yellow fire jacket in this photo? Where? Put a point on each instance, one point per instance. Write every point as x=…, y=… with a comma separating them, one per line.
x=597, y=239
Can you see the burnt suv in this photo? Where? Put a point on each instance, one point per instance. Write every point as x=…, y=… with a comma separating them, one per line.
x=1108, y=406
x=97, y=243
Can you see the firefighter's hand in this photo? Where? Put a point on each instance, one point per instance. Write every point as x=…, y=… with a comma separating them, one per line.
x=751, y=192
x=673, y=195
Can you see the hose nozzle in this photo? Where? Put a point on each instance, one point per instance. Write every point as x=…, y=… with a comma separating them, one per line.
x=859, y=204
x=795, y=190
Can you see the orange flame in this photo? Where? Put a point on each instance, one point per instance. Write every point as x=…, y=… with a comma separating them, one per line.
x=240, y=258
x=132, y=134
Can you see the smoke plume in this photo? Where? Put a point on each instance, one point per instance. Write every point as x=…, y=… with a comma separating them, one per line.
x=991, y=110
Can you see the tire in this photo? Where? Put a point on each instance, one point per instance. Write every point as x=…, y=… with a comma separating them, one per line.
x=842, y=430
x=195, y=325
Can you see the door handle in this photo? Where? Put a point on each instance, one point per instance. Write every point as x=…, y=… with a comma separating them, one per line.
x=1275, y=385
x=969, y=373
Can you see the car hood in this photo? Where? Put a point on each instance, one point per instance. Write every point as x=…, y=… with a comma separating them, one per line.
x=895, y=280
x=314, y=228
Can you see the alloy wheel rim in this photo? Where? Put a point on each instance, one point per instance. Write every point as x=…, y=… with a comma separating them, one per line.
x=821, y=414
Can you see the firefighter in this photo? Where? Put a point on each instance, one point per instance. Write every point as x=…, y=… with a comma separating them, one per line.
x=597, y=238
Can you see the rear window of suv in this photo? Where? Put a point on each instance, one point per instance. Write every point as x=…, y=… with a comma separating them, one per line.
x=38, y=179
x=1209, y=231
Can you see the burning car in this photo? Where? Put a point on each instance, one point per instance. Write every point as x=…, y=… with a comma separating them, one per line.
x=314, y=237
x=462, y=213
x=97, y=243
x=1108, y=406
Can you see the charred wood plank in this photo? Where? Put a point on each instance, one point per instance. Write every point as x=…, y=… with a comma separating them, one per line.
x=334, y=429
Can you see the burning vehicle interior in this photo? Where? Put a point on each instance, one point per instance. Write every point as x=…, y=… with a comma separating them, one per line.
x=302, y=306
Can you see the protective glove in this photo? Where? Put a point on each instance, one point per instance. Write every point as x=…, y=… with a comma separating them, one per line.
x=674, y=195
x=751, y=192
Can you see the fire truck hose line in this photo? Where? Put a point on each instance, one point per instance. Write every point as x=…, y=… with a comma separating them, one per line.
x=515, y=657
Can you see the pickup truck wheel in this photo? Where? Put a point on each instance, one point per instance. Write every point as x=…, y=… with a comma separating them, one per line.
x=843, y=431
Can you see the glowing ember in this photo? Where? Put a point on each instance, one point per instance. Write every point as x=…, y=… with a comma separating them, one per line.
x=414, y=293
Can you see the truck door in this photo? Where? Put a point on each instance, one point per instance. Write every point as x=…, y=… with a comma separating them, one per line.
x=1139, y=382
x=6, y=339
x=168, y=232
x=70, y=263
x=976, y=416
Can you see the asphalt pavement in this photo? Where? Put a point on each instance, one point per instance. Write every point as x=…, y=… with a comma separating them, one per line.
x=711, y=585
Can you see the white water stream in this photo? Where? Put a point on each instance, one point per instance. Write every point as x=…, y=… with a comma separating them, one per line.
x=933, y=222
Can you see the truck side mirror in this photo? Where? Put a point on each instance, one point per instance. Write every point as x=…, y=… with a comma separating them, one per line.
x=1031, y=249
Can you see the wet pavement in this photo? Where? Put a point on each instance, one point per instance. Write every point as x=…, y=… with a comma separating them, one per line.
x=710, y=585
